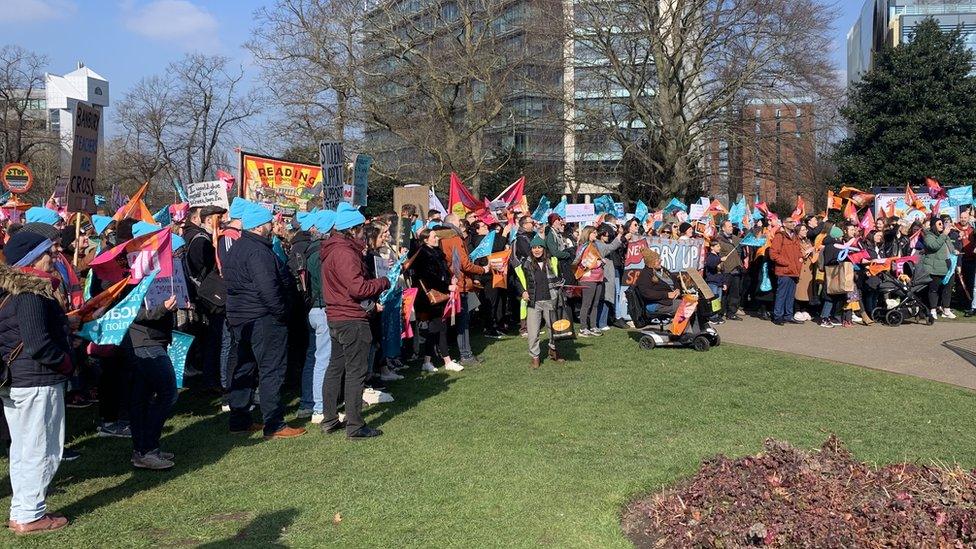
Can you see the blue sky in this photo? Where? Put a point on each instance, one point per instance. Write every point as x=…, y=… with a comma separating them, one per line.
x=125, y=40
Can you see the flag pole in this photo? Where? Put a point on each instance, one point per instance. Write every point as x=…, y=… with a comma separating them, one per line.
x=77, y=237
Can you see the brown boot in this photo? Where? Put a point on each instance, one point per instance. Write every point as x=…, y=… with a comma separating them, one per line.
x=286, y=432
x=554, y=356
x=44, y=524
x=535, y=363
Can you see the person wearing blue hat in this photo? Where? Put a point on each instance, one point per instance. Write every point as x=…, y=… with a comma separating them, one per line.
x=34, y=330
x=38, y=214
x=348, y=296
x=257, y=312
x=207, y=287
x=307, y=267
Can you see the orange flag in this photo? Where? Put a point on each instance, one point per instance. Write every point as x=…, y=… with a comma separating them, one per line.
x=588, y=260
x=850, y=212
x=499, y=268
x=716, y=207
x=859, y=197
x=105, y=299
x=800, y=210
x=834, y=202
x=912, y=200
x=135, y=207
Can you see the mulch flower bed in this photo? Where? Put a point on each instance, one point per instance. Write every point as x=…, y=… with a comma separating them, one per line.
x=785, y=497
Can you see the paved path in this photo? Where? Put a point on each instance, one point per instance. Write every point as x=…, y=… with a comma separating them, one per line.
x=945, y=352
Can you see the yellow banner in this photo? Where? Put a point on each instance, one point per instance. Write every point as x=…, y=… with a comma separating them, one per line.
x=288, y=184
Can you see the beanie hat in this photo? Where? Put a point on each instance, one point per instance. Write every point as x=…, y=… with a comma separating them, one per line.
x=554, y=217
x=142, y=228
x=650, y=256
x=683, y=227
x=100, y=222
x=347, y=217
x=43, y=229
x=238, y=207
x=305, y=220
x=255, y=216
x=538, y=242
x=24, y=247
x=42, y=215
x=836, y=232
x=324, y=220
x=66, y=238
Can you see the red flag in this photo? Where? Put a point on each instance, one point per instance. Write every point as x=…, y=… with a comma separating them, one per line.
x=409, y=297
x=460, y=200
x=715, y=207
x=800, y=210
x=935, y=190
x=867, y=222
x=143, y=255
x=762, y=207
x=227, y=178
x=935, y=208
x=514, y=196
x=834, y=202
x=105, y=299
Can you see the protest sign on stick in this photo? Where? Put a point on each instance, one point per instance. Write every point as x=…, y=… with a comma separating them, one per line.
x=84, y=159
x=207, y=193
x=333, y=173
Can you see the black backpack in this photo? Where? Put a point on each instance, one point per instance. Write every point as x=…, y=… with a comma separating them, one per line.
x=298, y=267
x=209, y=292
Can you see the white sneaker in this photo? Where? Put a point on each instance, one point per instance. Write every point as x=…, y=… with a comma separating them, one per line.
x=947, y=313
x=150, y=460
x=318, y=418
x=452, y=366
x=225, y=407
x=428, y=367
x=390, y=376
x=605, y=328
x=342, y=416
x=857, y=319
x=372, y=396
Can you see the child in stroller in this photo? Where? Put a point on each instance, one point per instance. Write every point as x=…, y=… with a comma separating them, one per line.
x=902, y=296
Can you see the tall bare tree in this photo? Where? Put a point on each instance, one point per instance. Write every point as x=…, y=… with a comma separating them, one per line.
x=23, y=123
x=183, y=125
x=672, y=70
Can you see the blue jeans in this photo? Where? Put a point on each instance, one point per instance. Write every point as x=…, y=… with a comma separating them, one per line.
x=463, y=333
x=603, y=314
x=717, y=290
x=785, y=295
x=35, y=416
x=153, y=396
x=316, y=360
x=621, y=306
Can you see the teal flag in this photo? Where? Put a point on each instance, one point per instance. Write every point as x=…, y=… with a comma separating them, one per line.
x=676, y=204
x=960, y=196
x=560, y=208
x=484, y=247
x=392, y=275
x=542, y=210
x=737, y=211
x=641, y=211
x=752, y=240
x=177, y=351
x=603, y=204
x=180, y=191
x=953, y=261
x=278, y=249
x=163, y=217
x=110, y=328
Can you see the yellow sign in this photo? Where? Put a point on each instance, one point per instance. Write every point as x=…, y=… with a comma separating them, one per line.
x=17, y=178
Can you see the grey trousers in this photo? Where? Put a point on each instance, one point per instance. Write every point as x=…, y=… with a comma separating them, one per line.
x=543, y=311
x=35, y=416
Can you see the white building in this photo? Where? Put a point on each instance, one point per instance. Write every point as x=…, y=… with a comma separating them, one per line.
x=63, y=93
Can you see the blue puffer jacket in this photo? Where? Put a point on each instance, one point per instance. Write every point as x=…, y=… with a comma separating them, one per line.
x=256, y=280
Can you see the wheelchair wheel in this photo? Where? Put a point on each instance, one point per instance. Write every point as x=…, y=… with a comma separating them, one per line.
x=701, y=343
x=647, y=343
x=894, y=318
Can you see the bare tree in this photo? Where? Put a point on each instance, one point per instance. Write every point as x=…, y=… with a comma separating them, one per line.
x=672, y=70
x=444, y=78
x=180, y=126
x=311, y=50
x=23, y=122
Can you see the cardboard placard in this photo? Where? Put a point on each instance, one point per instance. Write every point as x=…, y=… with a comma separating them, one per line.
x=84, y=159
x=360, y=179
x=161, y=288
x=676, y=255
x=207, y=193
x=333, y=174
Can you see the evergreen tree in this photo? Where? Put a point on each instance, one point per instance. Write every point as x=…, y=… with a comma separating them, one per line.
x=913, y=115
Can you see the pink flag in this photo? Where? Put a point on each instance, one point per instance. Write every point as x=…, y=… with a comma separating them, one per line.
x=227, y=178
x=143, y=255
x=867, y=222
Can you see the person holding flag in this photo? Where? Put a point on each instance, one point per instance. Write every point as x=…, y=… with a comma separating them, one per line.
x=464, y=270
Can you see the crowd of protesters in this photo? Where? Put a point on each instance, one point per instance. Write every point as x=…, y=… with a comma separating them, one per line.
x=309, y=293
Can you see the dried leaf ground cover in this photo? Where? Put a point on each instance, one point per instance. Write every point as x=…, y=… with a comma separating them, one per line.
x=496, y=455
x=785, y=497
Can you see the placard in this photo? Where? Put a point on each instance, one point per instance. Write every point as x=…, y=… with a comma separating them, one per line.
x=360, y=179
x=207, y=193
x=84, y=159
x=580, y=213
x=676, y=255
x=17, y=178
x=883, y=200
x=333, y=174
x=161, y=288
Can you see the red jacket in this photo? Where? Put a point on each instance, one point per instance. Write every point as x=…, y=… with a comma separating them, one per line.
x=785, y=252
x=344, y=282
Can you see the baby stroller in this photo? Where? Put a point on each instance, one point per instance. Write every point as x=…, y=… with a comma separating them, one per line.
x=902, y=300
x=655, y=329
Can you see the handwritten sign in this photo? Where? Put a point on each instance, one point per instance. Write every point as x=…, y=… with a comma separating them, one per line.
x=207, y=193
x=333, y=173
x=161, y=288
x=84, y=159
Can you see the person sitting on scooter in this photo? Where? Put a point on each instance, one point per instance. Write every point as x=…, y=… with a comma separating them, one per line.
x=656, y=286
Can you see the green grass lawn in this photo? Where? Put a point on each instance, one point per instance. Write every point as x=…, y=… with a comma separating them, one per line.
x=497, y=455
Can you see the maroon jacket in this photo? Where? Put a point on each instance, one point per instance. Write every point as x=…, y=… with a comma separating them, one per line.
x=344, y=282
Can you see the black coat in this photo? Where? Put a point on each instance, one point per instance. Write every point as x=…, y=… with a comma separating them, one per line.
x=430, y=273
x=533, y=275
x=257, y=282
x=33, y=316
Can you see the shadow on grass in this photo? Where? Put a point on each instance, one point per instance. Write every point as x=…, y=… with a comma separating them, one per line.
x=101, y=459
x=264, y=531
x=408, y=393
